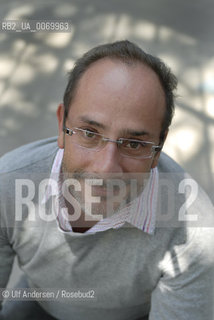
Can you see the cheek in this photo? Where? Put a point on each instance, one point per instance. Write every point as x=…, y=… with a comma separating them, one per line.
x=75, y=159
x=138, y=166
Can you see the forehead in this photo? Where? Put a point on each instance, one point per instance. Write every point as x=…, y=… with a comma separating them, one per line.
x=117, y=70
x=111, y=90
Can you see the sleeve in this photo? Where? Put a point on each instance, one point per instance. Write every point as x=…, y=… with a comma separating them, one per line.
x=6, y=261
x=185, y=290
x=6, y=251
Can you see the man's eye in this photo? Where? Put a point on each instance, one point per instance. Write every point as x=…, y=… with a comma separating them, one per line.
x=134, y=145
x=89, y=134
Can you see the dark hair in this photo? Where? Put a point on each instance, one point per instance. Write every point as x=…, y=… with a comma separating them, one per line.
x=126, y=52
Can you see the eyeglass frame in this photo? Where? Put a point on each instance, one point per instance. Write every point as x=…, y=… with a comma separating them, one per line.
x=154, y=148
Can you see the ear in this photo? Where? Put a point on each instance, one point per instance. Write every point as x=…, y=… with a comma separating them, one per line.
x=60, y=117
x=157, y=155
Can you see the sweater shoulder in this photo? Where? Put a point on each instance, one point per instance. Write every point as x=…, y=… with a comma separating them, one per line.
x=167, y=164
x=28, y=155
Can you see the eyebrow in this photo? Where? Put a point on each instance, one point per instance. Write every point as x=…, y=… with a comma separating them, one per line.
x=136, y=133
x=85, y=119
x=126, y=132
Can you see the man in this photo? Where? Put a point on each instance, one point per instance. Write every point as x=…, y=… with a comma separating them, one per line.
x=103, y=211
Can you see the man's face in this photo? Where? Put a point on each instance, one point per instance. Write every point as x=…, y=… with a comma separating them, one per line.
x=118, y=101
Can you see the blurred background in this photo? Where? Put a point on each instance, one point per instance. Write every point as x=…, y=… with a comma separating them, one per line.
x=33, y=67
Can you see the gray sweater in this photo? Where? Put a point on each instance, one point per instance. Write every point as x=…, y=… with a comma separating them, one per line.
x=165, y=276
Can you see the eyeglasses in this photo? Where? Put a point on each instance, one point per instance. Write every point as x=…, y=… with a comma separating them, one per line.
x=127, y=147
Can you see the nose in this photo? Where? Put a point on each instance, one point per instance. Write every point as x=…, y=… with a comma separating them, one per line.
x=107, y=160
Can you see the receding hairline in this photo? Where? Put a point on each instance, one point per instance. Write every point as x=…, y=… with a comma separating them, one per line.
x=129, y=62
